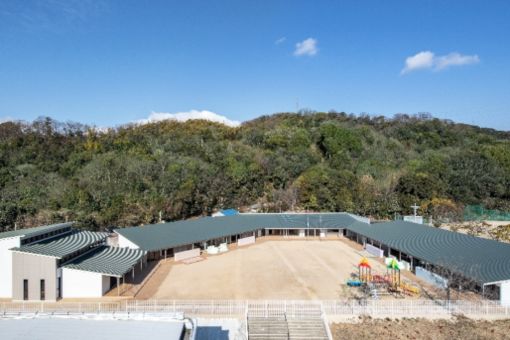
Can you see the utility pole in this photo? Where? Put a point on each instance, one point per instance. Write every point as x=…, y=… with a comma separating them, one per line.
x=415, y=208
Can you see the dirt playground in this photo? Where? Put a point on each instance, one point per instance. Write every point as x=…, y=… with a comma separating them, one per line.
x=296, y=269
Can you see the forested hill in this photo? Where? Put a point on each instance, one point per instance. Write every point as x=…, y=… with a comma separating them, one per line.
x=131, y=175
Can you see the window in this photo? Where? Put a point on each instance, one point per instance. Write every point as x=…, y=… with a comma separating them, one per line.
x=59, y=287
x=43, y=291
x=25, y=289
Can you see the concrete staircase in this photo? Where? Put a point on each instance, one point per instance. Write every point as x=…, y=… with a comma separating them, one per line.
x=267, y=328
x=279, y=327
x=307, y=329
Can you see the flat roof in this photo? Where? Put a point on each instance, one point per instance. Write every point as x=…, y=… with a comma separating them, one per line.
x=482, y=260
x=111, y=261
x=66, y=244
x=80, y=329
x=168, y=235
x=30, y=232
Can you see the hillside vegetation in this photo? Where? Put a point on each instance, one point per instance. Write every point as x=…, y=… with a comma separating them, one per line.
x=131, y=175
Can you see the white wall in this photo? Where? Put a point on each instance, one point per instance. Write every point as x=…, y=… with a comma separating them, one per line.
x=6, y=265
x=374, y=250
x=246, y=240
x=125, y=243
x=431, y=278
x=504, y=293
x=187, y=254
x=82, y=284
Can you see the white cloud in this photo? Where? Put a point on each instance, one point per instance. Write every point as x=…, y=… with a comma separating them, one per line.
x=280, y=41
x=428, y=60
x=456, y=59
x=306, y=47
x=418, y=61
x=189, y=115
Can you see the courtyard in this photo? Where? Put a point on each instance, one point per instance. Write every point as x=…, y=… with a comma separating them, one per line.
x=295, y=269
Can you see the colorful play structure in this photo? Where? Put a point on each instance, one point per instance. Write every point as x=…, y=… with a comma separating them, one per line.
x=381, y=284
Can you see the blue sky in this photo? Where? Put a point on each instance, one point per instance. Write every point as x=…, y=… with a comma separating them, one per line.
x=114, y=62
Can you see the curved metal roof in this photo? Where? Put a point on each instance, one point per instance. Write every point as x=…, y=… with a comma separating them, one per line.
x=64, y=245
x=168, y=235
x=482, y=260
x=112, y=261
x=30, y=232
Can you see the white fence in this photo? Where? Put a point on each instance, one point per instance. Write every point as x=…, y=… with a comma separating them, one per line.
x=291, y=308
x=59, y=307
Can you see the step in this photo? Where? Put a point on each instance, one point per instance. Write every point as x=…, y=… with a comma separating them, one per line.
x=307, y=329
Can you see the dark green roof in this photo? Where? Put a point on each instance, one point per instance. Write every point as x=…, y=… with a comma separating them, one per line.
x=30, y=232
x=482, y=260
x=64, y=245
x=168, y=235
x=112, y=261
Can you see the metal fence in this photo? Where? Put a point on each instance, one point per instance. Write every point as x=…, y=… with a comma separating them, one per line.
x=479, y=213
x=290, y=308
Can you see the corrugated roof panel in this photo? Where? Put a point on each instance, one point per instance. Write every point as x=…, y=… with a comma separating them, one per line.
x=63, y=245
x=480, y=259
x=172, y=234
x=112, y=261
x=29, y=232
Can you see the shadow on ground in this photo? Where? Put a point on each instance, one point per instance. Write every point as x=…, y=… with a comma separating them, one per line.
x=211, y=333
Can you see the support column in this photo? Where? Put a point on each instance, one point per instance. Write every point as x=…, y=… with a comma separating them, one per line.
x=504, y=293
x=118, y=286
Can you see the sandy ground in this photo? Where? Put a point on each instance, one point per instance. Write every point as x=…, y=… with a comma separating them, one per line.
x=267, y=270
x=458, y=328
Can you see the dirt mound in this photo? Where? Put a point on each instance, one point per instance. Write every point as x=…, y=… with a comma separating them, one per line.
x=457, y=328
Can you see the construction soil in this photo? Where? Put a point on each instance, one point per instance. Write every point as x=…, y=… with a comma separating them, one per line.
x=287, y=269
x=457, y=328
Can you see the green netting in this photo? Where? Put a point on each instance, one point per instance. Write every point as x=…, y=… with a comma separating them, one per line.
x=479, y=213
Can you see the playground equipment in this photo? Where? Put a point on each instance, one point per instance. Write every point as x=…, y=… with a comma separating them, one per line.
x=377, y=285
x=364, y=270
x=410, y=289
x=354, y=283
x=393, y=271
